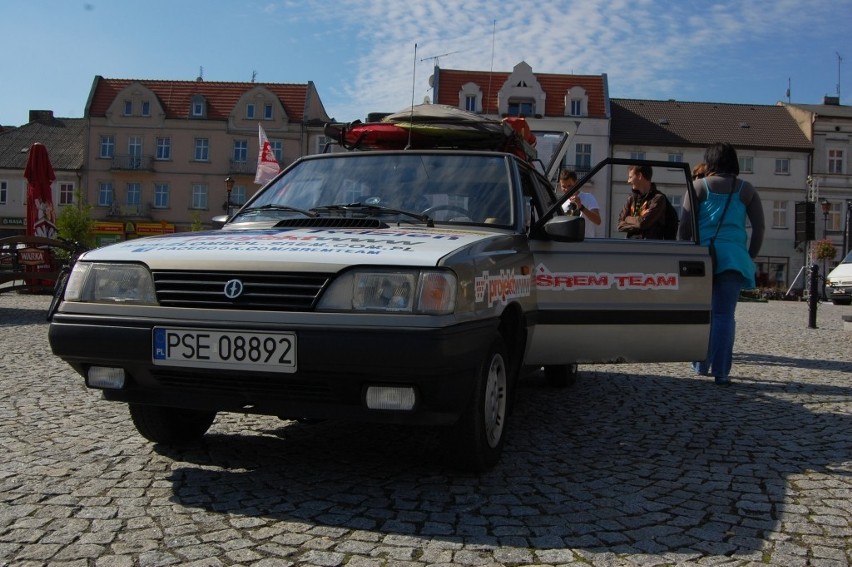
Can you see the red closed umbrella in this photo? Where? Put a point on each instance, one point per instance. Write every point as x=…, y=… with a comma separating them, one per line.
x=41, y=217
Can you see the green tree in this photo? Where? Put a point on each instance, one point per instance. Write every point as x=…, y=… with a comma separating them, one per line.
x=75, y=222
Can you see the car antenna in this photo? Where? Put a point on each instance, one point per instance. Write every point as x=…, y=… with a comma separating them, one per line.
x=411, y=115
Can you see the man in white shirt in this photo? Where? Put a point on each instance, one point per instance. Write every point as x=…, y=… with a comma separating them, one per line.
x=581, y=203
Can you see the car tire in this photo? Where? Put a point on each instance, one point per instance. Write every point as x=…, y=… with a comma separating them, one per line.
x=171, y=426
x=842, y=301
x=561, y=375
x=477, y=438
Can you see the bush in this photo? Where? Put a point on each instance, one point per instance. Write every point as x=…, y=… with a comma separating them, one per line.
x=75, y=223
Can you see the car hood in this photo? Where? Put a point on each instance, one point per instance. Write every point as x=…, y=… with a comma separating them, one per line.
x=304, y=248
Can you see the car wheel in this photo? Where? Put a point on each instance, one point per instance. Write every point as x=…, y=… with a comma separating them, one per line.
x=561, y=375
x=479, y=435
x=170, y=426
x=843, y=301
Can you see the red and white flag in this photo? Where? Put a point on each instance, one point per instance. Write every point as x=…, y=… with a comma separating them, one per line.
x=267, y=165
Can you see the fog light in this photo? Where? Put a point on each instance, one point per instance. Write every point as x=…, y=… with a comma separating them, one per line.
x=390, y=398
x=105, y=377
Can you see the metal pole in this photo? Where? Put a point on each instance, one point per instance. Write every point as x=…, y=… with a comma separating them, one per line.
x=813, y=299
x=824, y=237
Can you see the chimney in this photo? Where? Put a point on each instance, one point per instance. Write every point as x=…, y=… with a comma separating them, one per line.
x=831, y=100
x=44, y=115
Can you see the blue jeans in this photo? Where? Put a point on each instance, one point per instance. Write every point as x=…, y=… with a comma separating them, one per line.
x=726, y=292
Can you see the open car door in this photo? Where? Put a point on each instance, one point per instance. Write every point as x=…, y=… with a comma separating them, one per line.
x=614, y=299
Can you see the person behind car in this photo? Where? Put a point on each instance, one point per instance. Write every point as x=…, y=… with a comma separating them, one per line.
x=699, y=171
x=724, y=202
x=581, y=203
x=644, y=214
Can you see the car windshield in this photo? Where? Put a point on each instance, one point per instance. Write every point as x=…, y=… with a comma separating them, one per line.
x=401, y=187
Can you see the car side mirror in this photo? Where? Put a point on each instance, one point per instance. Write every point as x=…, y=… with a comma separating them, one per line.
x=219, y=221
x=566, y=229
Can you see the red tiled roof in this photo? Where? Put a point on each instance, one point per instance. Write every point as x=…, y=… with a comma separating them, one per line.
x=450, y=82
x=678, y=123
x=176, y=96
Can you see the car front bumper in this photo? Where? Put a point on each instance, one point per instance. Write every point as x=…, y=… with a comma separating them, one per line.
x=336, y=365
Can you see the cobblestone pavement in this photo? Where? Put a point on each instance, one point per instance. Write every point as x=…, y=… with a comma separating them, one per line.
x=635, y=465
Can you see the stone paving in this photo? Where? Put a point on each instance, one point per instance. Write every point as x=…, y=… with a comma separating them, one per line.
x=636, y=465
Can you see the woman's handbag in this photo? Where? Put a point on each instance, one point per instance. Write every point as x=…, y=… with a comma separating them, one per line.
x=712, y=245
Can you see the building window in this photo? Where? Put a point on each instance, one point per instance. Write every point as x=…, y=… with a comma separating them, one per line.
x=576, y=107
x=107, y=147
x=146, y=108
x=675, y=158
x=250, y=111
x=321, y=143
x=128, y=107
x=66, y=193
x=161, y=195
x=637, y=155
x=4, y=191
x=199, y=196
x=134, y=150
x=782, y=166
x=779, y=214
x=198, y=107
x=238, y=195
x=521, y=108
x=277, y=147
x=104, y=194
x=835, y=161
x=833, y=219
x=267, y=112
x=202, y=149
x=746, y=164
x=164, y=148
x=241, y=151
x=134, y=194
x=470, y=103
x=583, y=158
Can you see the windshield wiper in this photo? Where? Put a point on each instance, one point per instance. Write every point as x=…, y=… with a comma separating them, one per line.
x=360, y=207
x=274, y=207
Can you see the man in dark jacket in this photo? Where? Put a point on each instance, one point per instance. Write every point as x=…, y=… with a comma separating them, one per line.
x=644, y=214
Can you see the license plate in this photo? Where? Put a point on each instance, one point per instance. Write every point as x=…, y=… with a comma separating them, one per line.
x=205, y=348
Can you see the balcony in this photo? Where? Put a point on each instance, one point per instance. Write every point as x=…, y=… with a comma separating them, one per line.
x=242, y=167
x=117, y=211
x=132, y=163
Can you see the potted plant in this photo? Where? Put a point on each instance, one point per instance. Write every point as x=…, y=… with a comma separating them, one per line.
x=824, y=250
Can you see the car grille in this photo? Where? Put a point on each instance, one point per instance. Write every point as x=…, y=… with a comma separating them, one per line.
x=256, y=388
x=261, y=290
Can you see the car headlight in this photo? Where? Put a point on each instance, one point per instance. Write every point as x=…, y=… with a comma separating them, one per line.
x=431, y=292
x=110, y=283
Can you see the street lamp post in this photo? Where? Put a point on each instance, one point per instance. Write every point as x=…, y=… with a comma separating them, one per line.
x=825, y=205
x=229, y=186
x=846, y=230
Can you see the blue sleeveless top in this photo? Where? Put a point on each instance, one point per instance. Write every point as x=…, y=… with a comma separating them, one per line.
x=732, y=240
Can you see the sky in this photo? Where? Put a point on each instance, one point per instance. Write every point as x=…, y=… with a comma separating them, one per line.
x=377, y=55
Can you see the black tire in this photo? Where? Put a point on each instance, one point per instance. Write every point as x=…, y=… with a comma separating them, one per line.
x=843, y=301
x=171, y=426
x=478, y=437
x=561, y=376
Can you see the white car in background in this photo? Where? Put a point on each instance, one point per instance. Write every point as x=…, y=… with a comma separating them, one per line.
x=840, y=282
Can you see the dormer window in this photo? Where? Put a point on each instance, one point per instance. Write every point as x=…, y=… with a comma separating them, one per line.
x=470, y=103
x=267, y=112
x=521, y=107
x=250, y=111
x=198, y=107
x=470, y=98
x=128, y=108
x=146, y=108
x=576, y=102
x=576, y=107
